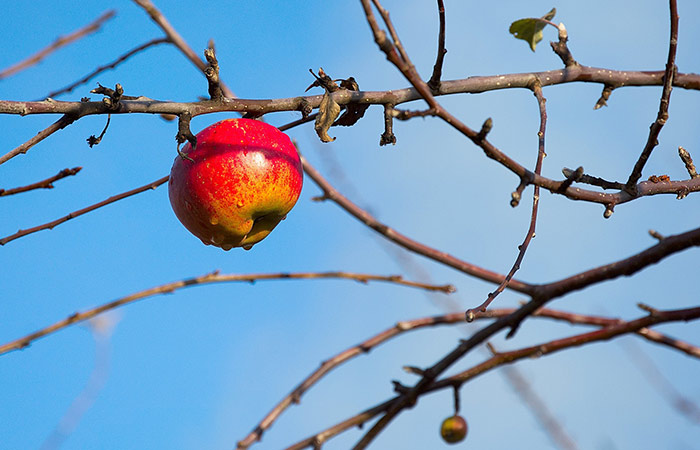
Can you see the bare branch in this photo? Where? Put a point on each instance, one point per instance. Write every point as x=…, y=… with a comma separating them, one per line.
x=522, y=248
x=434, y=82
x=688, y=161
x=177, y=40
x=61, y=123
x=108, y=66
x=329, y=192
x=80, y=212
x=43, y=184
x=213, y=277
x=662, y=115
x=501, y=359
x=58, y=43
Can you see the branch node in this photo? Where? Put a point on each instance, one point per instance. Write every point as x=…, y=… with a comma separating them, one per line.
x=212, y=74
x=517, y=195
x=399, y=388
x=561, y=49
x=414, y=370
x=388, y=136
x=649, y=309
x=656, y=235
x=485, y=129
x=604, y=96
x=93, y=140
x=609, y=209
x=185, y=134
x=304, y=107
x=688, y=161
x=571, y=176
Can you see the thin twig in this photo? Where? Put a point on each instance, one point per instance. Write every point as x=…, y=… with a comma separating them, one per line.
x=541, y=102
x=329, y=192
x=108, y=66
x=177, y=40
x=588, y=179
x=688, y=162
x=434, y=82
x=662, y=115
x=43, y=184
x=61, y=123
x=80, y=212
x=58, y=43
x=213, y=277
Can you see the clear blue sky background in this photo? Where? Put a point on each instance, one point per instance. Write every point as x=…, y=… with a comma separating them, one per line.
x=199, y=368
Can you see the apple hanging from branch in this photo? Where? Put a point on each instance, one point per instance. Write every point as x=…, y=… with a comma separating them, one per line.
x=238, y=182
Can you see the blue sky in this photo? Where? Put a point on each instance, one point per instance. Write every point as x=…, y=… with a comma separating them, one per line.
x=199, y=368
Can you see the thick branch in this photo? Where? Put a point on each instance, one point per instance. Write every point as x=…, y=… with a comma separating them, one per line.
x=500, y=359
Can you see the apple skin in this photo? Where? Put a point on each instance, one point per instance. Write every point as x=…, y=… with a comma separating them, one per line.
x=453, y=429
x=245, y=177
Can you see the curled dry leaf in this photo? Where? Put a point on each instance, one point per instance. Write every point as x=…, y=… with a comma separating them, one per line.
x=328, y=111
x=353, y=111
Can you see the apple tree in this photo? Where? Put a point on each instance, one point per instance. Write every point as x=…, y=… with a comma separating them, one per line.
x=494, y=245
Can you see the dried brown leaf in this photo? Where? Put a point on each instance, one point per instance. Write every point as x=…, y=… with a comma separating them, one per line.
x=328, y=111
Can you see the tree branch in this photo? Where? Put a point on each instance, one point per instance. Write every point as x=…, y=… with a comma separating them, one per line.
x=108, y=66
x=177, y=40
x=60, y=124
x=522, y=248
x=80, y=212
x=43, y=184
x=662, y=115
x=500, y=359
x=213, y=277
x=58, y=43
x=329, y=192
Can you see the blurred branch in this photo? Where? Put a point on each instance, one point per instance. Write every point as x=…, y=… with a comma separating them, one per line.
x=658, y=381
x=329, y=192
x=58, y=43
x=210, y=278
x=662, y=115
x=80, y=212
x=176, y=39
x=101, y=332
x=545, y=418
x=111, y=65
x=294, y=397
x=43, y=184
x=500, y=359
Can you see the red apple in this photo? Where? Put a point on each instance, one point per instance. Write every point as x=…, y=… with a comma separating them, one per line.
x=243, y=178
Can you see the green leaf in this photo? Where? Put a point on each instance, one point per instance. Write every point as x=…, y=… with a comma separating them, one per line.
x=530, y=30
